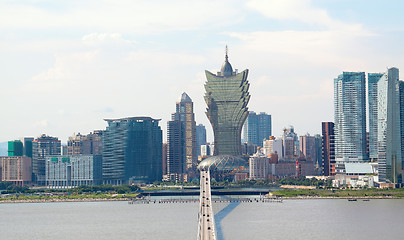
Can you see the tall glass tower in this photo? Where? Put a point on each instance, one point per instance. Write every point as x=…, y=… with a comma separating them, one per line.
x=389, y=131
x=373, y=79
x=350, y=117
x=227, y=98
x=132, y=151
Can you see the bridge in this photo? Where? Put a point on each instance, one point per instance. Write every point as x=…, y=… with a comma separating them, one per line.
x=206, y=224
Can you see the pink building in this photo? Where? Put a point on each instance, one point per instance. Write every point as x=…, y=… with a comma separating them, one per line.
x=16, y=169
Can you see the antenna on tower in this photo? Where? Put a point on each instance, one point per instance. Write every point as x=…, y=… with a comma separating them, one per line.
x=227, y=50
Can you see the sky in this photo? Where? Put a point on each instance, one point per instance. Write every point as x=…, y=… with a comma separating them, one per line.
x=68, y=65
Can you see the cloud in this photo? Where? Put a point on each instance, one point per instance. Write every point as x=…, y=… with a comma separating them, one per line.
x=301, y=10
x=124, y=16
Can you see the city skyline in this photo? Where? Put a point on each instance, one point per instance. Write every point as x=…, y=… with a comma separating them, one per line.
x=68, y=67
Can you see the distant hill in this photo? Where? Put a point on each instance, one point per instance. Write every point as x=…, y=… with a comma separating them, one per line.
x=3, y=148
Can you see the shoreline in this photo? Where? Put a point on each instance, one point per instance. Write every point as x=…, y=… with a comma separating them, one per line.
x=52, y=200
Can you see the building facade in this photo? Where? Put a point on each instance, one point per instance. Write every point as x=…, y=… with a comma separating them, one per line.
x=227, y=97
x=73, y=170
x=16, y=169
x=373, y=79
x=85, y=144
x=259, y=167
x=257, y=127
x=41, y=148
x=132, y=150
x=388, y=129
x=200, y=138
x=350, y=117
x=328, y=148
x=308, y=147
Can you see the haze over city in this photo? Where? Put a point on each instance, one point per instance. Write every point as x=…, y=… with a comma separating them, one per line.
x=67, y=65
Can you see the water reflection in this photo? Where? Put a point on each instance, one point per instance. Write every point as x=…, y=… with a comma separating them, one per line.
x=221, y=215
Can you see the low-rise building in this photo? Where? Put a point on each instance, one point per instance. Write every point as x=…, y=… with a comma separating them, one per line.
x=73, y=170
x=258, y=167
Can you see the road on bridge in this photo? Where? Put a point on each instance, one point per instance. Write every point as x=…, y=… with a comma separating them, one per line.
x=206, y=226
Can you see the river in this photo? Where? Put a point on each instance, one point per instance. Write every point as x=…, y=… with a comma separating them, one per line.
x=292, y=219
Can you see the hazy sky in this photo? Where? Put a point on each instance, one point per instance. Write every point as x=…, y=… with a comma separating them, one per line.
x=67, y=65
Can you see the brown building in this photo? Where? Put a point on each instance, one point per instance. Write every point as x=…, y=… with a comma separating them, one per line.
x=90, y=144
x=328, y=148
x=16, y=169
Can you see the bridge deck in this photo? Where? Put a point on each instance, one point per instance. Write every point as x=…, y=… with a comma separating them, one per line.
x=206, y=226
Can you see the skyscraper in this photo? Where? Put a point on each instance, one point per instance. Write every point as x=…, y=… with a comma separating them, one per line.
x=181, y=138
x=227, y=97
x=257, y=127
x=41, y=148
x=185, y=112
x=132, y=150
x=350, y=117
x=401, y=89
x=328, y=145
x=200, y=138
x=176, y=159
x=373, y=79
x=389, y=132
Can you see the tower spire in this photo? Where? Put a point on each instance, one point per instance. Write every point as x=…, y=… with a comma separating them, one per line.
x=227, y=51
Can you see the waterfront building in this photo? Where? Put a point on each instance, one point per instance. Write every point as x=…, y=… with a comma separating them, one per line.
x=73, y=170
x=227, y=97
x=181, y=138
x=308, y=147
x=373, y=79
x=350, y=118
x=16, y=169
x=257, y=128
x=176, y=158
x=42, y=147
x=132, y=150
x=259, y=165
x=185, y=113
x=401, y=90
x=318, y=150
x=388, y=129
x=328, y=148
x=200, y=138
x=165, y=146
x=15, y=148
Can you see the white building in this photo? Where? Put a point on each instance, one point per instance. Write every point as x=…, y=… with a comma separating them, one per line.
x=258, y=167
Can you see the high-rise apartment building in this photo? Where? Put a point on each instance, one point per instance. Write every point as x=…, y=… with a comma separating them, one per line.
x=132, y=150
x=373, y=79
x=227, y=97
x=200, y=138
x=41, y=148
x=388, y=129
x=350, y=117
x=328, y=146
x=257, y=127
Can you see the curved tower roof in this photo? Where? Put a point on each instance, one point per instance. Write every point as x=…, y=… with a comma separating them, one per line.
x=226, y=70
x=184, y=98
